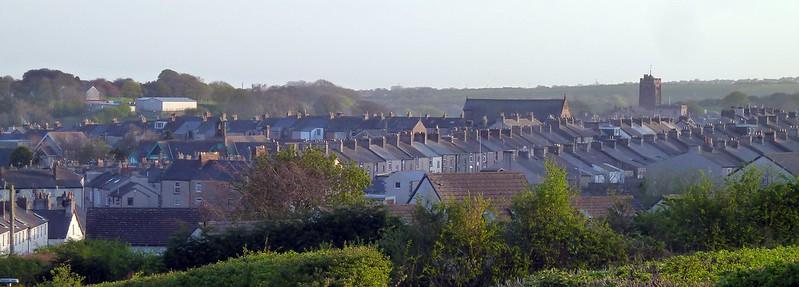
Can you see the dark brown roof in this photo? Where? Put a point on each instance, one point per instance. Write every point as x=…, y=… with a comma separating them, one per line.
x=498, y=187
x=140, y=226
x=599, y=205
x=402, y=211
x=475, y=109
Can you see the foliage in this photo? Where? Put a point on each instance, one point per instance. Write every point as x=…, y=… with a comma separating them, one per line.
x=62, y=276
x=108, y=115
x=27, y=270
x=332, y=228
x=735, y=99
x=291, y=184
x=100, y=260
x=701, y=268
x=93, y=150
x=21, y=156
x=452, y=244
x=781, y=274
x=738, y=214
x=350, y=266
x=551, y=233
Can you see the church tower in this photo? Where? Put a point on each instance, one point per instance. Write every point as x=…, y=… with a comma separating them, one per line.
x=649, y=92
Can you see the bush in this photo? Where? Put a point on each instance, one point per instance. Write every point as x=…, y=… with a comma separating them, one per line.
x=101, y=260
x=27, y=270
x=552, y=234
x=335, y=228
x=784, y=274
x=701, y=268
x=350, y=266
x=452, y=244
x=741, y=213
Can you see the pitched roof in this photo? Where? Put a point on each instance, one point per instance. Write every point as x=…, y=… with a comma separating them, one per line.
x=499, y=187
x=57, y=222
x=492, y=108
x=42, y=178
x=220, y=170
x=787, y=160
x=140, y=226
x=598, y=206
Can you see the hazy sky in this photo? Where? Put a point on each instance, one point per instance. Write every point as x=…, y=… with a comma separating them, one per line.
x=376, y=43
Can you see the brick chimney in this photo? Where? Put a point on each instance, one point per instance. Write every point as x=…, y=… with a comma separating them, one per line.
x=235, y=117
x=25, y=203
x=268, y=131
x=352, y=144
x=365, y=142
x=540, y=152
x=393, y=139
x=379, y=141
x=597, y=145
x=206, y=156
x=570, y=148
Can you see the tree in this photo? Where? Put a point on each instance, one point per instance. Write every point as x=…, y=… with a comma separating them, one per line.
x=452, y=244
x=292, y=183
x=93, y=150
x=21, y=156
x=129, y=88
x=736, y=99
x=62, y=276
x=551, y=233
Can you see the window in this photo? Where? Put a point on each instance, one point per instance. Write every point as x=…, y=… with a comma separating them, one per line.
x=198, y=200
x=130, y=201
x=198, y=187
x=397, y=184
x=177, y=201
x=177, y=187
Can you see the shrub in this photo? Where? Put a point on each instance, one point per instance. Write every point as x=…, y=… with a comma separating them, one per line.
x=551, y=233
x=28, y=270
x=350, y=266
x=62, y=276
x=783, y=274
x=363, y=224
x=701, y=268
x=101, y=260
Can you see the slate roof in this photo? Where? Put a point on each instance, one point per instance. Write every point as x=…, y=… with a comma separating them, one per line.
x=5, y=156
x=30, y=178
x=57, y=222
x=220, y=170
x=28, y=218
x=498, y=187
x=787, y=160
x=140, y=226
x=492, y=108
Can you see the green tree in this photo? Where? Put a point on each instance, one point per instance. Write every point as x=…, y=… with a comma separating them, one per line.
x=62, y=276
x=452, y=244
x=551, y=233
x=21, y=156
x=736, y=99
x=129, y=88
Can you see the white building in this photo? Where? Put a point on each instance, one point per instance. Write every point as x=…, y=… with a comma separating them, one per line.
x=164, y=104
x=30, y=230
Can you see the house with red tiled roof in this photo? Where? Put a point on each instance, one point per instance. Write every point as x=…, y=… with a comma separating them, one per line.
x=497, y=187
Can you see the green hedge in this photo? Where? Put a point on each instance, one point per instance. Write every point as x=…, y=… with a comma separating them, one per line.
x=783, y=274
x=350, y=266
x=701, y=268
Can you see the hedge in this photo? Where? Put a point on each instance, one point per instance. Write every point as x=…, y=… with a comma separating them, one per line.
x=350, y=266
x=783, y=274
x=701, y=268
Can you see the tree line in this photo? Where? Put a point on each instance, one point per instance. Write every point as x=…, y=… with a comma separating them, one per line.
x=45, y=95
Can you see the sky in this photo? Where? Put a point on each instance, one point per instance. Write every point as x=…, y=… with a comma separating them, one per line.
x=367, y=44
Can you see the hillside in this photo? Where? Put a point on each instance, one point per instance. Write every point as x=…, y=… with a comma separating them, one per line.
x=590, y=98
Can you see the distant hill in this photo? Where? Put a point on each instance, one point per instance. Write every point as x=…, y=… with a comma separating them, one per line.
x=589, y=98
